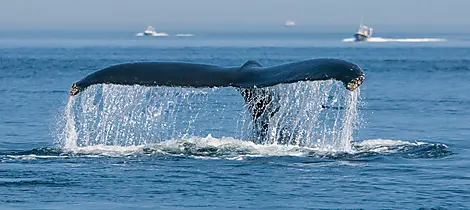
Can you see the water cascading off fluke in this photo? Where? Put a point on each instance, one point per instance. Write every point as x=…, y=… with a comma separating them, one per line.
x=115, y=115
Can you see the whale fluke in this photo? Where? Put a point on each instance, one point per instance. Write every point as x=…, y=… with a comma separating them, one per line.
x=249, y=79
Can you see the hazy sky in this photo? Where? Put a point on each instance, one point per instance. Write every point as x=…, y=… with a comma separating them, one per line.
x=181, y=13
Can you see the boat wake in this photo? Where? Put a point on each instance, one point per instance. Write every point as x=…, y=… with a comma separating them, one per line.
x=165, y=34
x=156, y=34
x=380, y=39
x=184, y=35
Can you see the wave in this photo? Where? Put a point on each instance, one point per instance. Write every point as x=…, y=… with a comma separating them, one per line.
x=235, y=149
x=380, y=39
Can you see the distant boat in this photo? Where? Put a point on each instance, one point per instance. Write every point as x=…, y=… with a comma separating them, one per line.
x=363, y=33
x=290, y=23
x=150, y=31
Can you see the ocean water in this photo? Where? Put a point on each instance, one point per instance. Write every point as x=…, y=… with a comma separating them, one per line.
x=401, y=141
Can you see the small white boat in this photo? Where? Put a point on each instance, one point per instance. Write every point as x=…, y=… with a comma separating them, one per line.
x=150, y=31
x=290, y=23
x=363, y=33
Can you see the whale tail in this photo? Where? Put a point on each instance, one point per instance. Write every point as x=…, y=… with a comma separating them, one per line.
x=250, y=79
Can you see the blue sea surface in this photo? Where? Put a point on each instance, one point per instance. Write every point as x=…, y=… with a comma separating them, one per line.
x=116, y=147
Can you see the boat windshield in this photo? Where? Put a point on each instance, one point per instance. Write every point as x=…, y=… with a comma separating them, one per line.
x=150, y=28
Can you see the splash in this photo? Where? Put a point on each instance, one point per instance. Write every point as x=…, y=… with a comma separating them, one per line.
x=237, y=149
x=380, y=39
x=155, y=34
x=70, y=132
x=350, y=120
x=130, y=116
x=303, y=120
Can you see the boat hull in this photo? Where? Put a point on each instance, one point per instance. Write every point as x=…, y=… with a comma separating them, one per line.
x=360, y=37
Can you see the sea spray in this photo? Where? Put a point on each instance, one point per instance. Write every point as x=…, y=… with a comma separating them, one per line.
x=350, y=119
x=130, y=116
x=312, y=114
x=70, y=132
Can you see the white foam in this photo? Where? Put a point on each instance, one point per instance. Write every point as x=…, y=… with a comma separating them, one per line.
x=155, y=34
x=106, y=150
x=380, y=39
x=34, y=157
x=385, y=142
x=225, y=146
x=236, y=149
x=386, y=146
x=160, y=34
